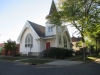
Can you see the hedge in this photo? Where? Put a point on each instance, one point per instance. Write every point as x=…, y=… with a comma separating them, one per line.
x=55, y=52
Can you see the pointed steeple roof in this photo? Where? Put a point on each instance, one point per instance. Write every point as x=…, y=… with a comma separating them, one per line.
x=52, y=9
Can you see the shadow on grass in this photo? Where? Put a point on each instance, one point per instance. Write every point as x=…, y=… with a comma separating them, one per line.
x=9, y=58
x=26, y=59
x=36, y=61
x=92, y=58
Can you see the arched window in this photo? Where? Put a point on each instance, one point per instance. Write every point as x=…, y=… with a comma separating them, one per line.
x=59, y=38
x=29, y=40
x=65, y=42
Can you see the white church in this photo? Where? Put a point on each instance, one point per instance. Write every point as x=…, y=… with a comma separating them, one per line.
x=35, y=38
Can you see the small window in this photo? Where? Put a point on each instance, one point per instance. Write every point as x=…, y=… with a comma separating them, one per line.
x=65, y=42
x=50, y=29
x=59, y=29
x=25, y=45
x=31, y=45
x=59, y=38
x=28, y=45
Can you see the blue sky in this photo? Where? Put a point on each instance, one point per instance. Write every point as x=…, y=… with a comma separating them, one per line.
x=14, y=14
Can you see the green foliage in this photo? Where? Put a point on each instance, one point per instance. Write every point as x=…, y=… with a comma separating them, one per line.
x=82, y=14
x=79, y=44
x=1, y=49
x=10, y=45
x=57, y=52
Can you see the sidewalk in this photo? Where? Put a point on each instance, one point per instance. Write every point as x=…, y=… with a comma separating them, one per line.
x=97, y=60
x=63, y=63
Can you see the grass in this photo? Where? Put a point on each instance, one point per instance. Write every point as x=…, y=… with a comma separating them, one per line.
x=9, y=58
x=25, y=56
x=32, y=61
x=15, y=57
x=36, y=61
x=97, y=56
x=42, y=61
x=82, y=60
x=88, y=58
x=94, y=57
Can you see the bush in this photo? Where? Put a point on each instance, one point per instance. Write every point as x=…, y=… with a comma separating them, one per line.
x=16, y=55
x=57, y=52
x=69, y=53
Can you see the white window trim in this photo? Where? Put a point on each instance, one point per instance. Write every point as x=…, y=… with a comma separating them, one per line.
x=59, y=29
x=50, y=29
x=29, y=40
x=65, y=41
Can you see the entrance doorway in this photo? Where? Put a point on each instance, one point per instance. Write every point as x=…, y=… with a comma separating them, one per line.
x=47, y=45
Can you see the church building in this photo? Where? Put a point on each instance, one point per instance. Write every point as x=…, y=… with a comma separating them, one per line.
x=35, y=38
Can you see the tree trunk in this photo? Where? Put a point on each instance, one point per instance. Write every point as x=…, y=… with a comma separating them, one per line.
x=96, y=47
x=83, y=45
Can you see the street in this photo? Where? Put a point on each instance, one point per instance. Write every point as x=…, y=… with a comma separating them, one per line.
x=16, y=68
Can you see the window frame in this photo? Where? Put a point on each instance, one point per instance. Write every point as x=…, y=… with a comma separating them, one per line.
x=50, y=29
x=29, y=40
x=59, y=39
x=65, y=41
x=59, y=29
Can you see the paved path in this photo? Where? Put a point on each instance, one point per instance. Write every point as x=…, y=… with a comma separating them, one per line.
x=63, y=63
x=97, y=60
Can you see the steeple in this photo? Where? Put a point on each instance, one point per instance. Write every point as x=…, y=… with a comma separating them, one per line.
x=52, y=9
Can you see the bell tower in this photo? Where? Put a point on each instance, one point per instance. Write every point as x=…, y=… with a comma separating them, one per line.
x=50, y=30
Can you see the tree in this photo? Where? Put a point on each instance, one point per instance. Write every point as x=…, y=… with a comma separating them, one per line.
x=10, y=45
x=94, y=35
x=82, y=14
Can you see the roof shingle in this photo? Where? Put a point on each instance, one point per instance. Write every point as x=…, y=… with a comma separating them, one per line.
x=40, y=30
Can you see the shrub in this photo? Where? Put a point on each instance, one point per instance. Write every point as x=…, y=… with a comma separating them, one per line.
x=57, y=52
x=16, y=55
x=69, y=53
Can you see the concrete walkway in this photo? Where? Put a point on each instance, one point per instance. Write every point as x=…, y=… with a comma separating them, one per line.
x=97, y=60
x=63, y=63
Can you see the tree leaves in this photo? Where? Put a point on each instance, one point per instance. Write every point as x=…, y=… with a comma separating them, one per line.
x=10, y=45
x=82, y=14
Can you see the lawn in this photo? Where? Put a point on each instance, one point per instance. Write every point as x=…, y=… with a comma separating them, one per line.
x=26, y=59
x=36, y=61
x=88, y=58
x=9, y=58
x=94, y=57
x=15, y=57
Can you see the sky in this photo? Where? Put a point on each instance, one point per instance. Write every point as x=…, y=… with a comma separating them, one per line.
x=15, y=13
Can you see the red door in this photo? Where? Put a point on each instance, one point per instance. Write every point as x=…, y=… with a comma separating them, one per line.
x=47, y=45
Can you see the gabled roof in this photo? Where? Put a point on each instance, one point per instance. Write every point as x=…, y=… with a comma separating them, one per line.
x=40, y=30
